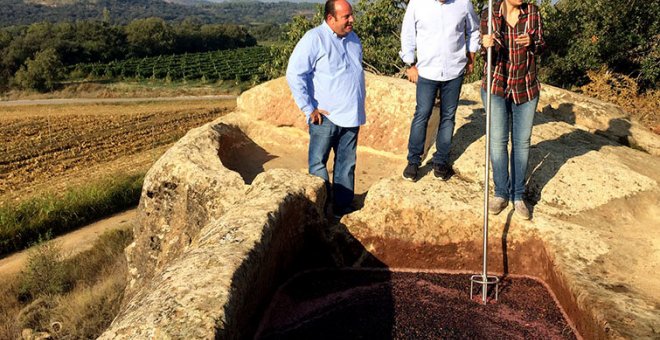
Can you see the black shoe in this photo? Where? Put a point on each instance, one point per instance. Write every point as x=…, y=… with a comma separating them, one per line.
x=442, y=171
x=410, y=172
x=340, y=212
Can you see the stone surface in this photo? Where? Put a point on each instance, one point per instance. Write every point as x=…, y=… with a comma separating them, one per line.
x=214, y=287
x=186, y=188
x=390, y=104
x=594, y=236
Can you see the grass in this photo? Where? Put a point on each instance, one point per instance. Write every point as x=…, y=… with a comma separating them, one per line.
x=133, y=89
x=39, y=218
x=69, y=298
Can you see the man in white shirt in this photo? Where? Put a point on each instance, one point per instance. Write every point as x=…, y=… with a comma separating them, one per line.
x=437, y=30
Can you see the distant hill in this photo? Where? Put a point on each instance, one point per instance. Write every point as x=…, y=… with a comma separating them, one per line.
x=19, y=12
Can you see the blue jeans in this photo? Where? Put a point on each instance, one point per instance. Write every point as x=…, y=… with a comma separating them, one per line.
x=343, y=141
x=426, y=91
x=508, y=119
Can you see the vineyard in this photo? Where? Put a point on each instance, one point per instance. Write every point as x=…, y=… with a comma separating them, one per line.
x=240, y=64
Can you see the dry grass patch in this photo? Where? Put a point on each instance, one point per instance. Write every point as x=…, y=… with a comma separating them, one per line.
x=623, y=91
x=133, y=89
x=53, y=214
x=68, y=298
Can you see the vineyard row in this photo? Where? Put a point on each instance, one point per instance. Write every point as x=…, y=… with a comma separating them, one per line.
x=237, y=64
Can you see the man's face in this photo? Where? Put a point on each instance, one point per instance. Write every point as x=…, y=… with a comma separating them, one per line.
x=342, y=22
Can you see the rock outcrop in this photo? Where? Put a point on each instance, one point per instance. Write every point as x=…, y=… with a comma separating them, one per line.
x=213, y=288
x=182, y=192
x=218, y=231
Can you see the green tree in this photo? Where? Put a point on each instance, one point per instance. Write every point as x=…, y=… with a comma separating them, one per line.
x=293, y=32
x=40, y=73
x=378, y=24
x=151, y=36
x=586, y=35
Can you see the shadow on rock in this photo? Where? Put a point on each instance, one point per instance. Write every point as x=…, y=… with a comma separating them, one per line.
x=239, y=153
x=324, y=297
x=547, y=157
x=467, y=134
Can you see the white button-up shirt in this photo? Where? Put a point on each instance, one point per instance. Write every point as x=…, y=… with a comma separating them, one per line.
x=438, y=31
x=325, y=72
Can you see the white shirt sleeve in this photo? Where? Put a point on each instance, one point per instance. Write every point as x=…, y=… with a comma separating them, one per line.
x=408, y=35
x=298, y=72
x=472, y=28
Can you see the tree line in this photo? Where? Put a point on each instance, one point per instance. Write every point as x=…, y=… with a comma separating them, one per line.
x=581, y=36
x=34, y=56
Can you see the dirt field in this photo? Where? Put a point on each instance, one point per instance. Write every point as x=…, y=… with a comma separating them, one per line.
x=50, y=147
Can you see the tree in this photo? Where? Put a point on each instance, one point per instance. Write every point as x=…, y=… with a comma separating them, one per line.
x=151, y=36
x=293, y=32
x=40, y=73
x=377, y=23
x=585, y=35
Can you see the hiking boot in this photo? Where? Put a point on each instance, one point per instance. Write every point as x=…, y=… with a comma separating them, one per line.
x=521, y=209
x=442, y=171
x=410, y=172
x=497, y=204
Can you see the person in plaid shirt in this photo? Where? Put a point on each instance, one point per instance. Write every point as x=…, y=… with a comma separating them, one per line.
x=516, y=40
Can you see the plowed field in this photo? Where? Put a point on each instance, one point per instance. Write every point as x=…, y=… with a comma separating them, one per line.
x=49, y=147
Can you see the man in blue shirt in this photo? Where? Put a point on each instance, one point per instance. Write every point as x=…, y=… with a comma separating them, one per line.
x=327, y=82
x=437, y=29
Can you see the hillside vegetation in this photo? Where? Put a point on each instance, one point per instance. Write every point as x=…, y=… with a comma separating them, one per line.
x=241, y=64
x=19, y=12
x=36, y=56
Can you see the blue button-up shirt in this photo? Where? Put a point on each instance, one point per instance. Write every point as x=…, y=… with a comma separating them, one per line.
x=438, y=32
x=325, y=72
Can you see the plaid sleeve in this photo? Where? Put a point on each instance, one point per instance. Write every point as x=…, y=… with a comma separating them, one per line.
x=536, y=31
x=483, y=28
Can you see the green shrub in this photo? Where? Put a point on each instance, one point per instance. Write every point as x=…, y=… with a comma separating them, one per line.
x=45, y=274
x=42, y=72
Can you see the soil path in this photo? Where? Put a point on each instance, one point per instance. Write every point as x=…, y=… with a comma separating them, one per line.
x=59, y=101
x=73, y=242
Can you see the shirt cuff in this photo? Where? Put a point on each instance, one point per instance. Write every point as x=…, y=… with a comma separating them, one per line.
x=407, y=58
x=307, y=110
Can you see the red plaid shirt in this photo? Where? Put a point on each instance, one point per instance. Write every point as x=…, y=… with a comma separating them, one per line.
x=514, y=67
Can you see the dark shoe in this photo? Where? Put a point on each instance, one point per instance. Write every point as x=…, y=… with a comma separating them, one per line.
x=497, y=204
x=442, y=171
x=410, y=172
x=522, y=210
x=339, y=213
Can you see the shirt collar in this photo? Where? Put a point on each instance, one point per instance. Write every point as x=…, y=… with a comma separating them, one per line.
x=524, y=9
x=329, y=30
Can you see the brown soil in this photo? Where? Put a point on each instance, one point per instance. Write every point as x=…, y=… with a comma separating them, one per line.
x=370, y=304
x=53, y=146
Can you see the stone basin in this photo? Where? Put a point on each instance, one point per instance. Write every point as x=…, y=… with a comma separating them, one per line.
x=385, y=304
x=229, y=214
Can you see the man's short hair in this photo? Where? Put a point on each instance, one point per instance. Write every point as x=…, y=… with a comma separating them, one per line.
x=329, y=9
